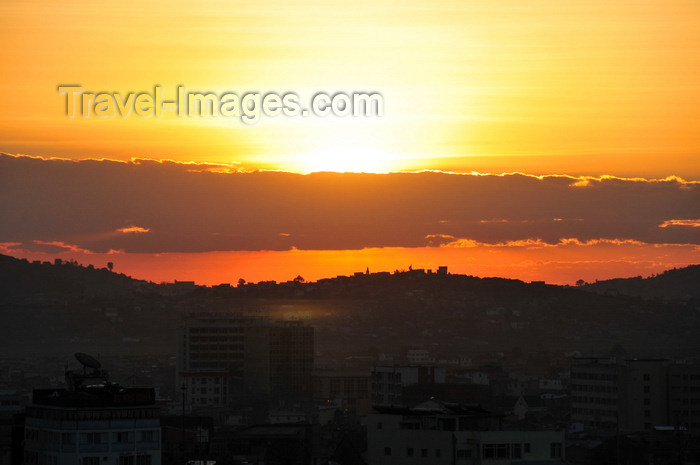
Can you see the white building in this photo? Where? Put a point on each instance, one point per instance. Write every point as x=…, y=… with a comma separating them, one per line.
x=439, y=433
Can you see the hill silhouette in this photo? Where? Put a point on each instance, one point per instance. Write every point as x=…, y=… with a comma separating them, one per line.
x=47, y=307
x=677, y=283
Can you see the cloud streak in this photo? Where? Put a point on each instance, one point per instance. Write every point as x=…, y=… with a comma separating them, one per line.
x=191, y=207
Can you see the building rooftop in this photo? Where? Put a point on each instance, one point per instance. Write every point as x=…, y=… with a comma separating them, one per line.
x=436, y=407
x=101, y=395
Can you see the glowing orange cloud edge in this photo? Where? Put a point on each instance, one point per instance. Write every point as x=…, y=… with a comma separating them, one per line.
x=228, y=168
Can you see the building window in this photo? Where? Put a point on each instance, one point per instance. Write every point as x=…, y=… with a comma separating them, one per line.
x=409, y=451
x=526, y=447
x=646, y=389
x=68, y=438
x=424, y=452
x=379, y=425
x=463, y=453
x=147, y=436
x=496, y=451
x=91, y=461
x=126, y=460
x=516, y=451
x=647, y=377
x=437, y=453
x=387, y=451
x=647, y=401
x=143, y=460
x=555, y=450
x=123, y=436
x=93, y=438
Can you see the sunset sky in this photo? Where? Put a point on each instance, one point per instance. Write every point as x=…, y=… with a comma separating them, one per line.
x=593, y=107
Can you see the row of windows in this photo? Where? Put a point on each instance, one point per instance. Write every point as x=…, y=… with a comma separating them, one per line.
x=216, y=339
x=594, y=376
x=685, y=401
x=686, y=388
x=593, y=388
x=57, y=438
x=488, y=451
x=216, y=347
x=380, y=375
x=92, y=415
x=594, y=411
x=217, y=357
x=204, y=381
x=410, y=452
x=686, y=377
x=135, y=460
x=206, y=390
x=206, y=401
x=595, y=400
x=123, y=460
x=216, y=364
x=216, y=330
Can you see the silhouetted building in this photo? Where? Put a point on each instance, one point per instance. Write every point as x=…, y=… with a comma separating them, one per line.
x=684, y=396
x=388, y=381
x=92, y=423
x=635, y=394
x=438, y=433
x=10, y=408
x=206, y=388
x=347, y=390
x=258, y=355
x=277, y=444
x=186, y=438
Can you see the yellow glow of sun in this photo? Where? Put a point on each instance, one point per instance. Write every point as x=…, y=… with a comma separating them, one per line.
x=349, y=159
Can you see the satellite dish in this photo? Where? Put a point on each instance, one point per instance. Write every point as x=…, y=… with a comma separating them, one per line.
x=87, y=360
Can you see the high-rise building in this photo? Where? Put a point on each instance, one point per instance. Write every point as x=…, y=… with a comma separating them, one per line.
x=92, y=422
x=684, y=396
x=635, y=394
x=258, y=355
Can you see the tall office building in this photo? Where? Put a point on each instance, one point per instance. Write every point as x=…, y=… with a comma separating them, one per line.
x=255, y=354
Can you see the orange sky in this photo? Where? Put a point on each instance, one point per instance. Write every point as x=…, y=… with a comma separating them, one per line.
x=563, y=264
x=582, y=88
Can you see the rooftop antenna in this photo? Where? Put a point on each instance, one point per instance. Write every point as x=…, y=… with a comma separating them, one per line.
x=88, y=361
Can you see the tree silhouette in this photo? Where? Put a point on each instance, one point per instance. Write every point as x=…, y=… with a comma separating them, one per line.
x=110, y=266
x=299, y=279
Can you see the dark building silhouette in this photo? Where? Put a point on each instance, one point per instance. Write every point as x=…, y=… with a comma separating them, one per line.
x=258, y=355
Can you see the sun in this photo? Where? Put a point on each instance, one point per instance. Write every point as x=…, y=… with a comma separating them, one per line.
x=349, y=159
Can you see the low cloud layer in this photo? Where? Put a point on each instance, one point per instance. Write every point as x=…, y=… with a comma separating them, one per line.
x=154, y=207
